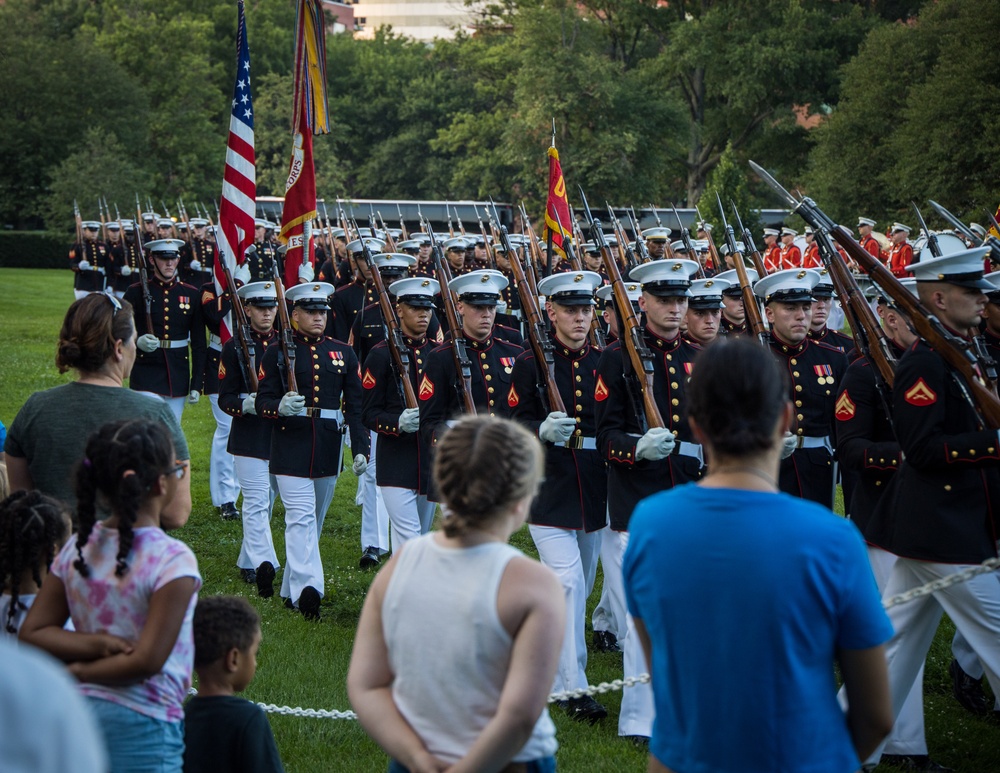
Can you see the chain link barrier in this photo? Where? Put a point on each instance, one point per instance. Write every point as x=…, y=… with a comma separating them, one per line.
x=990, y=565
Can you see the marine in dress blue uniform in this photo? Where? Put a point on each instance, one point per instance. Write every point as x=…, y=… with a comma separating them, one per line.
x=823, y=303
x=814, y=372
x=642, y=463
x=734, y=316
x=570, y=509
x=350, y=299
x=306, y=440
x=402, y=456
x=163, y=365
x=90, y=261
x=249, y=439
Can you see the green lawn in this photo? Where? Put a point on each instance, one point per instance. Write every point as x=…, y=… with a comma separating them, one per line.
x=303, y=664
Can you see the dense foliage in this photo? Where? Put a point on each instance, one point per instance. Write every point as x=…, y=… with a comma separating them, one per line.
x=652, y=101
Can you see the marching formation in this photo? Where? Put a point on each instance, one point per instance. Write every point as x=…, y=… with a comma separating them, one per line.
x=388, y=335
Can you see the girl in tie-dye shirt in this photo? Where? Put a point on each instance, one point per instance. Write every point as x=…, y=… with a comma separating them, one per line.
x=130, y=591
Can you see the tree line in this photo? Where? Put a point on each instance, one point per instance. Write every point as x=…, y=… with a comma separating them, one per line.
x=865, y=105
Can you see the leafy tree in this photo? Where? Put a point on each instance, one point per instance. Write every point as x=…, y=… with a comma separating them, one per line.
x=99, y=168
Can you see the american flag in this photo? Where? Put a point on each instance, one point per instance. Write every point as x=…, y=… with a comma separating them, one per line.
x=239, y=183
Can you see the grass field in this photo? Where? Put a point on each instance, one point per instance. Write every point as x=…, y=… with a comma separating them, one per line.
x=305, y=664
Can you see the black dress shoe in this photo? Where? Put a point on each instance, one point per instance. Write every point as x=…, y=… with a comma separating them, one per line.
x=248, y=576
x=584, y=709
x=265, y=580
x=913, y=762
x=309, y=603
x=228, y=512
x=968, y=691
x=605, y=641
x=370, y=558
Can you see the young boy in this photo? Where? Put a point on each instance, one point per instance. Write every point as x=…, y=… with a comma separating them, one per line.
x=223, y=732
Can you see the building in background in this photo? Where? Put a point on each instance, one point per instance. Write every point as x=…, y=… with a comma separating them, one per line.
x=413, y=18
x=340, y=17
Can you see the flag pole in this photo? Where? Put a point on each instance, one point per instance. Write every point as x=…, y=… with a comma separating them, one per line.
x=549, y=254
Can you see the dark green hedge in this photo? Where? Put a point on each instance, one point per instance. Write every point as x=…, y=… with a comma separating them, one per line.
x=33, y=249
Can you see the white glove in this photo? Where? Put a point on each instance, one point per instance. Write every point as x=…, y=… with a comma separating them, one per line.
x=194, y=396
x=360, y=465
x=657, y=443
x=242, y=273
x=126, y=270
x=84, y=265
x=195, y=265
x=557, y=428
x=409, y=420
x=788, y=444
x=148, y=342
x=306, y=273
x=250, y=404
x=291, y=403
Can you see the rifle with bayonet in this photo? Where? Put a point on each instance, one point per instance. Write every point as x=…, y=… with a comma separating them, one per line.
x=955, y=351
x=754, y=321
x=79, y=223
x=534, y=252
x=286, y=339
x=458, y=219
x=393, y=337
x=245, y=351
x=638, y=360
x=869, y=337
x=748, y=243
x=463, y=365
x=596, y=333
x=712, y=251
x=990, y=241
x=147, y=299
x=486, y=241
x=640, y=243
x=402, y=223
x=625, y=251
x=693, y=254
x=538, y=334
x=451, y=227
x=104, y=223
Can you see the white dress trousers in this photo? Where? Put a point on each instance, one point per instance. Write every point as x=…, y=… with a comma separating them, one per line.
x=609, y=614
x=374, y=516
x=259, y=490
x=410, y=514
x=222, y=482
x=306, y=502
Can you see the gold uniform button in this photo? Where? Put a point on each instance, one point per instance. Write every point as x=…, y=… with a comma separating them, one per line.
x=972, y=452
x=579, y=379
x=576, y=365
x=947, y=487
x=482, y=355
x=954, y=454
x=799, y=416
x=579, y=393
x=490, y=390
x=675, y=417
x=673, y=385
x=798, y=387
x=486, y=366
x=578, y=407
x=315, y=367
x=989, y=450
x=671, y=370
x=795, y=373
x=669, y=357
x=794, y=361
x=675, y=402
x=878, y=483
x=799, y=433
x=315, y=356
x=489, y=378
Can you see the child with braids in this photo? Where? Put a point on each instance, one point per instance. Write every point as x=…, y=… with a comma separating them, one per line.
x=33, y=528
x=130, y=591
x=460, y=634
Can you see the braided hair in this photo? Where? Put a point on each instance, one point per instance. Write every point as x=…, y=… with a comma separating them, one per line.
x=33, y=527
x=122, y=461
x=483, y=466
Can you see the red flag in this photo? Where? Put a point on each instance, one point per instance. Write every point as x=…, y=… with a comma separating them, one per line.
x=556, y=205
x=300, y=203
x=239, y=181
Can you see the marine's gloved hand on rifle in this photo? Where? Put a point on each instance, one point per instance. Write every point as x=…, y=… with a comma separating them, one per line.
x=194, y=396
x=556, y=428
x=291, y=403
x=657, y=443
x=360, y=465
x=195, y=265
x=83, y=265
x=126, y=271
x=409, y=420
x=242, y=273
x=148, y=342
x=306, y=273
x=250, y=404
x=788, y=445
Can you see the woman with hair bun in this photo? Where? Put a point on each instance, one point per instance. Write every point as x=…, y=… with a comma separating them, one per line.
x=460, y=634
x=48, y=435
x=744, y=597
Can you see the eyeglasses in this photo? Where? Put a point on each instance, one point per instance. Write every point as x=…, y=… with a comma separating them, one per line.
x=116, y=304
x=178, y=470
